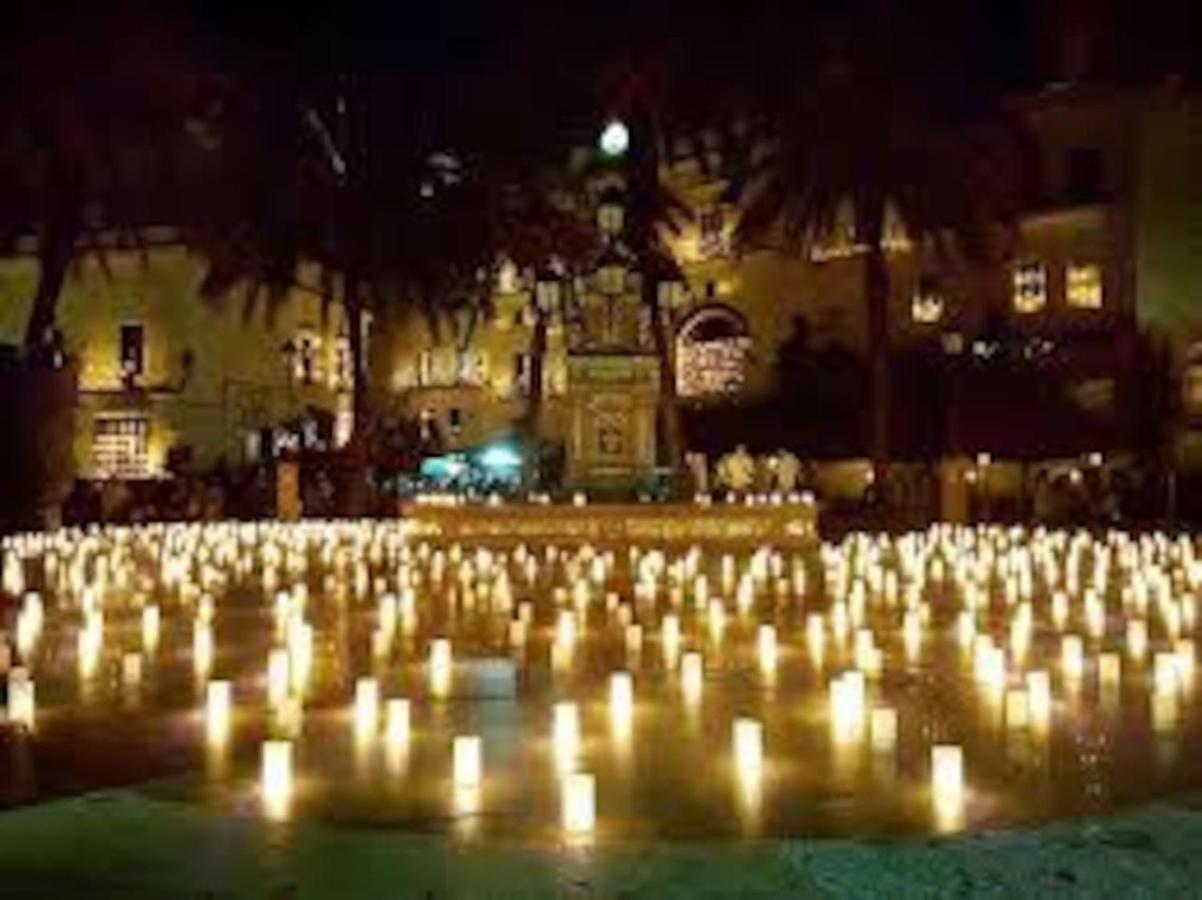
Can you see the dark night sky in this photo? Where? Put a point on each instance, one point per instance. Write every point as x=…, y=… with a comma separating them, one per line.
x=1008, y=44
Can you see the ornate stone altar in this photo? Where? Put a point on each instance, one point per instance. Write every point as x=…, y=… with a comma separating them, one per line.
x=613, y=398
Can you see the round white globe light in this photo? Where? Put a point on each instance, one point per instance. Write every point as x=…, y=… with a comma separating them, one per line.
x=615, y=138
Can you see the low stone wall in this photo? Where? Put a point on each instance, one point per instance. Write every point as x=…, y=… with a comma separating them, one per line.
x=781, y=525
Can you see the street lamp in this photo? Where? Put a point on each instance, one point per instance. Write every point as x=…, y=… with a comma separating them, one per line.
x=614, y=139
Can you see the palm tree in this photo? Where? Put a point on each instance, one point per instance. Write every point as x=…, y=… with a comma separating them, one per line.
x=90, y=141
x=878, y=123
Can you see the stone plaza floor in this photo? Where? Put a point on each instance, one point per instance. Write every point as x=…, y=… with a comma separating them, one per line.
x=132, y=844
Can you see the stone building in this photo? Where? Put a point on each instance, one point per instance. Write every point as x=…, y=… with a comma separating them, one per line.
x=1112, y=250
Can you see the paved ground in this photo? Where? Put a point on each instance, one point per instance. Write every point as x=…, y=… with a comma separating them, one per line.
x=124, y=845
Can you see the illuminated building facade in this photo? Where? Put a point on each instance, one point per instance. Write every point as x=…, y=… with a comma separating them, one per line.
x=161, y=371
x=1110, y=250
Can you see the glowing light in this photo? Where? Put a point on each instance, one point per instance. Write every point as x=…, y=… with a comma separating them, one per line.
x=367, y=707
x=20, y=698
x=883, y=727
x=614, y=139
x=276, y=778
x=579, y=803
x=565, y=736
x=621, y=702
x=217, y=711
x=397, y=722
x=150, y=629
x=468, y=761
x=277, y=677
x=440, y=666
x=766, y=649
x=691, y=677
x=748, y=739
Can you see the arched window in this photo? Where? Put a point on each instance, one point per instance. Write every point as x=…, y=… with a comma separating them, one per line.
x=711, y=352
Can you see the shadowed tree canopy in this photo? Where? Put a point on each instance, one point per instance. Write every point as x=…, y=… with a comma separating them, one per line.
x=880, y=115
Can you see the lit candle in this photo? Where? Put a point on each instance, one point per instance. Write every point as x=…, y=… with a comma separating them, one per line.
x=691, y=675
x=565, y=735
x=440, y=666
x=748, y=740
x=397, y=722
x=21, y=698
x=766, y=647
x=277, y=677
x=947, y=771
x=468, y=763
x=367, y=707
x=217, y=710
x=150, y=629
x=276, y=778
x=884, y=729
x=579, y=803
x=621, y=702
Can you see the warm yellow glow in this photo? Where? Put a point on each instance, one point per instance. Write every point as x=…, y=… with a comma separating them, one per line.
x=277, y=677
x=884, y=729
x=397, y=722
x=367, y=708
x=565, y=736
x=468, y=761
x=150, y=629
x=692, y=673
x=440, y=666
x=766, y=649
x=20, y=698
x=621, y=703
x=218, y=697
x=579, y=803
x=1137, y=639
x=1039, y=698
x=1072, y=657
x=670, y=637
x=947, y=770
x=202, y=648
x=276, y=778
x=1083, y=285
x=748, y=740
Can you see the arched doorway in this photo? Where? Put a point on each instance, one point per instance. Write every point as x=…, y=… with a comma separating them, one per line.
x=711, y=353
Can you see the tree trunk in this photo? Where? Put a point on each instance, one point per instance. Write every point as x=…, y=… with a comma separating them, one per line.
x=55, y=250
x=535, y=427
x=876, y=294
x=671, y=427
x=357, y=447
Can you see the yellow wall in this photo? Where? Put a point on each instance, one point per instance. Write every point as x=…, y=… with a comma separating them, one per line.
x=238, y=381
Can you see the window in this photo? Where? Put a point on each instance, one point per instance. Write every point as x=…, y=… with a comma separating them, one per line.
x=1030, y=287
x=133, y=339
x=1083, y=174
x=711, y=353
x=425, y=368
x=119, y=446
x=342, y=375
x=306, y=365
x=455, y=420
x=1083, y=285
x=927, y=304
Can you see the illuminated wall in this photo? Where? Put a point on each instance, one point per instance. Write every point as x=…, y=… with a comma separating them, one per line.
x=209, y=375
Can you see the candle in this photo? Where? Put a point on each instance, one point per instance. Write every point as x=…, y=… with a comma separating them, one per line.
x=276, y=778
x=468, y=764
x=579, y=803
